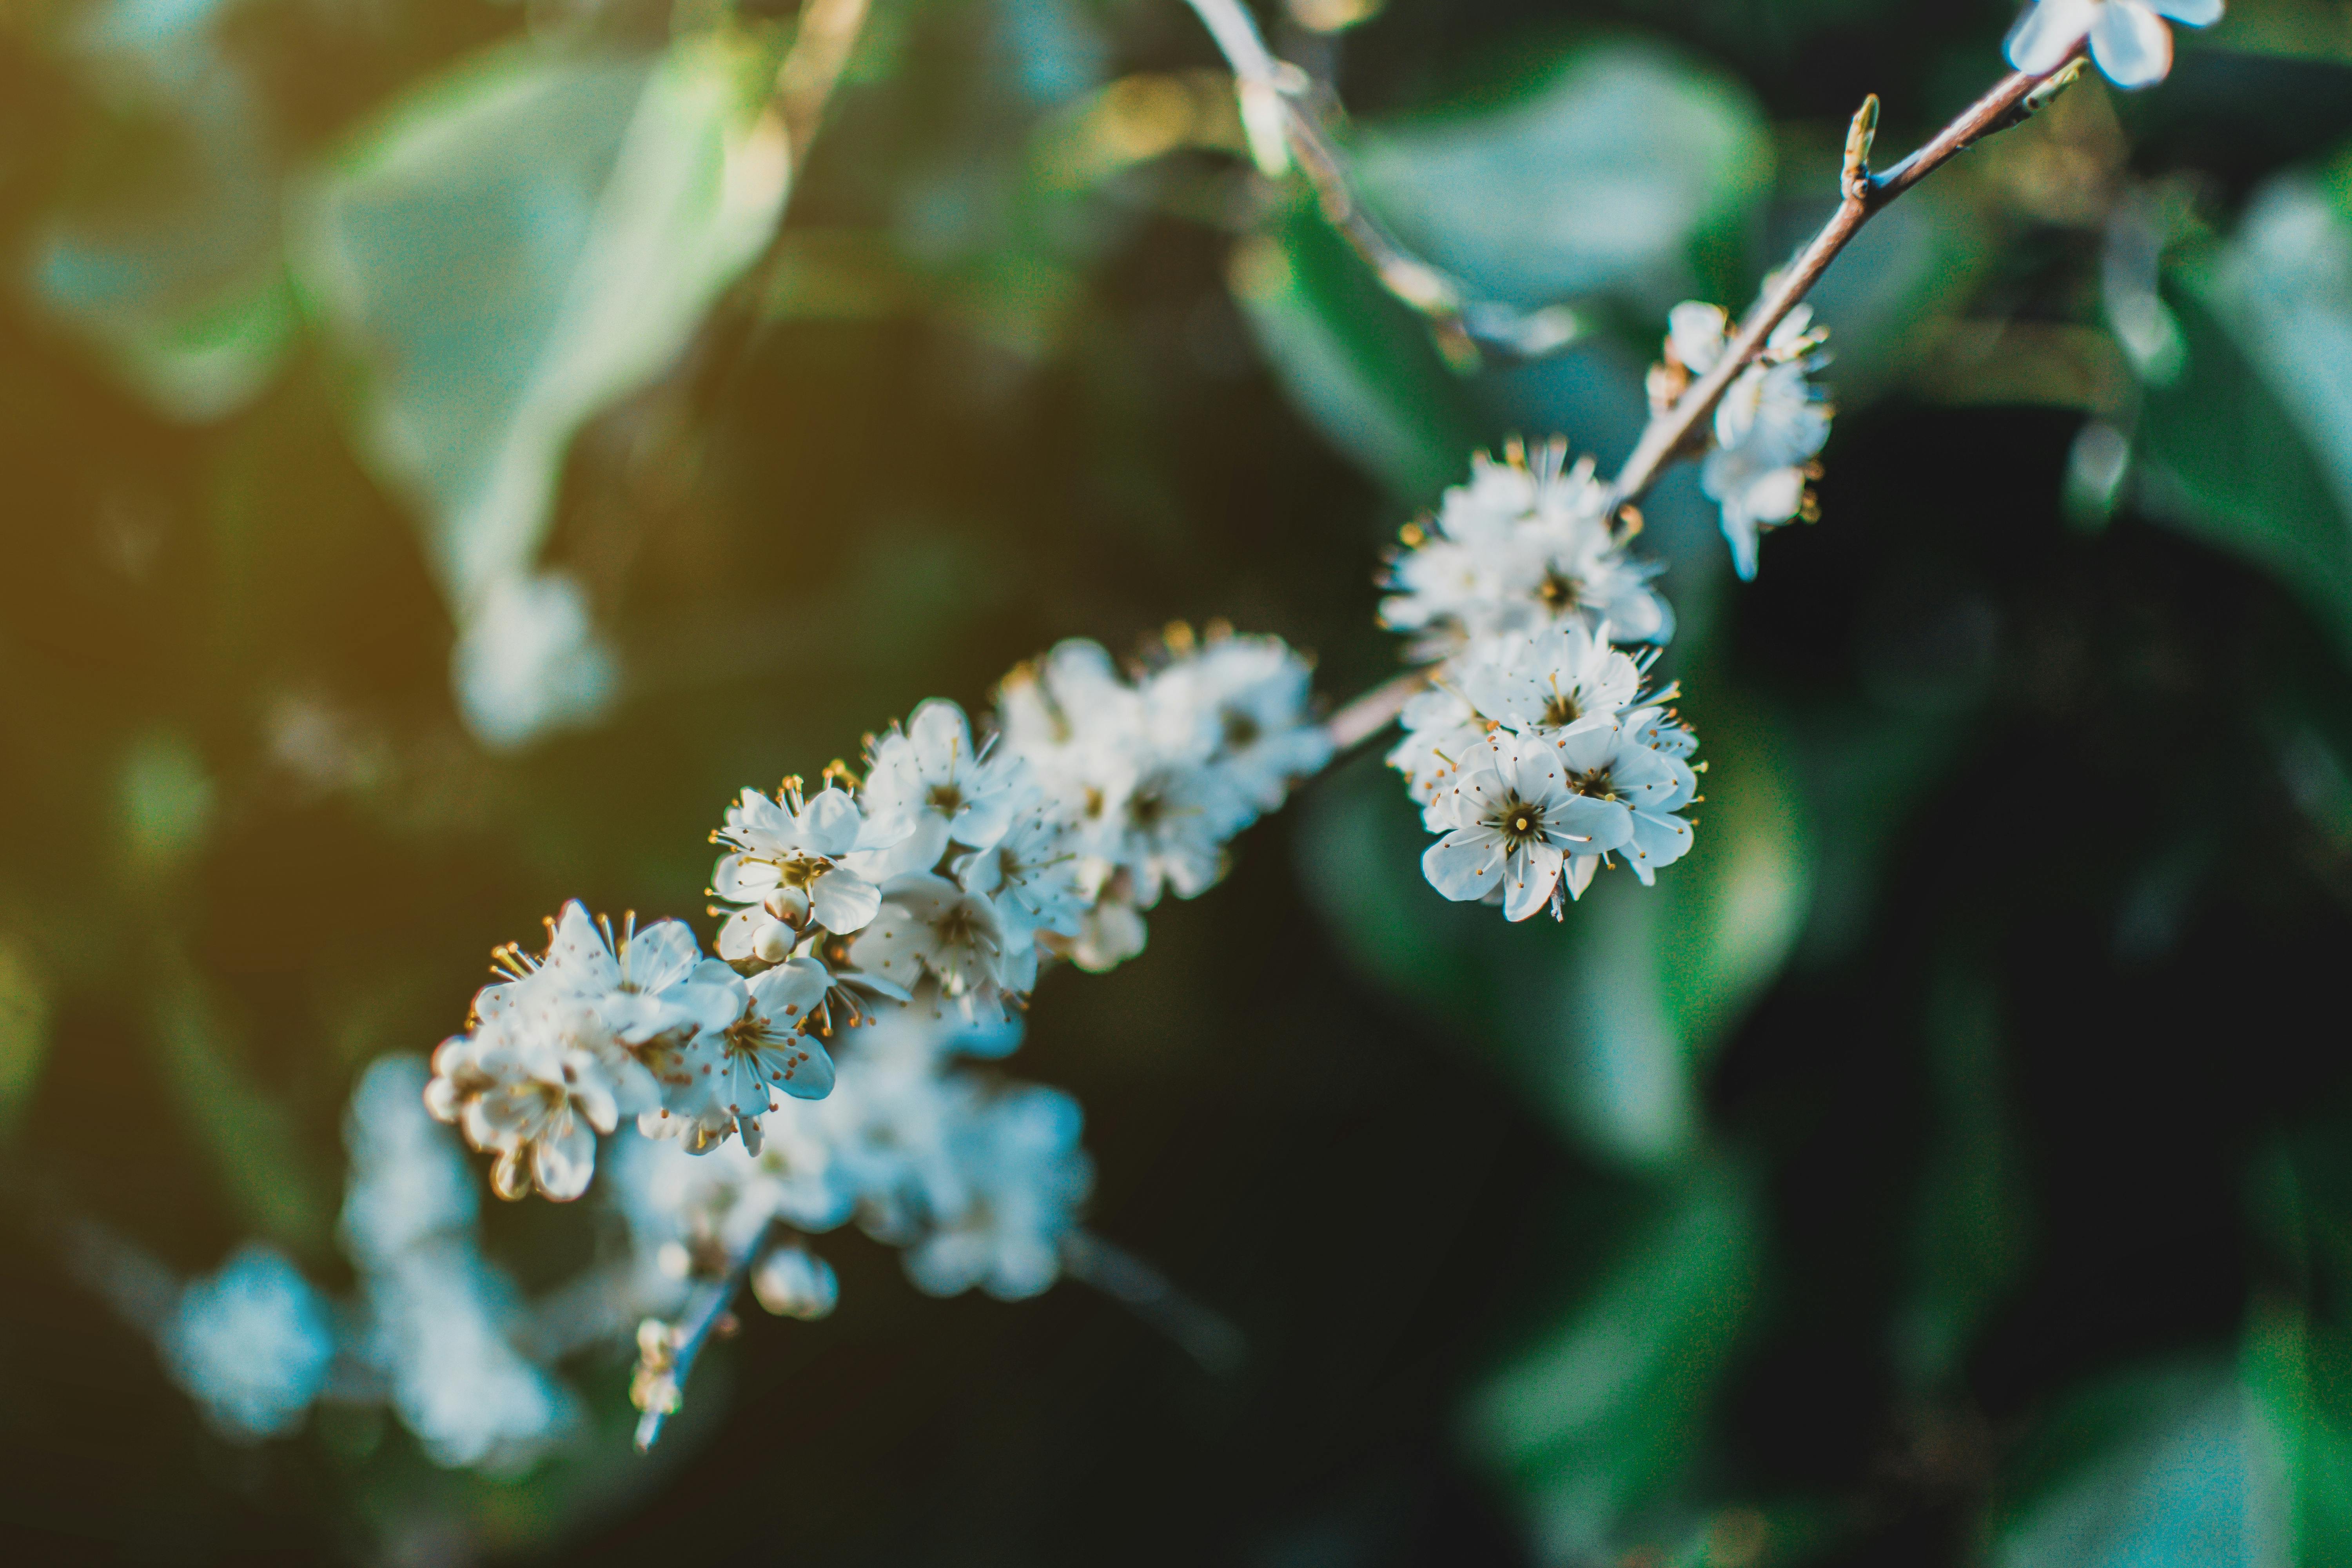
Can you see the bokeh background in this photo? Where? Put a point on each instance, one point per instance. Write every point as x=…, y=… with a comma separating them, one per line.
x=447, y=446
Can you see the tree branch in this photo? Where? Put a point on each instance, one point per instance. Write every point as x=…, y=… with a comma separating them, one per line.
x=1284, y=130
x=2016, y=99
x=666, y=1352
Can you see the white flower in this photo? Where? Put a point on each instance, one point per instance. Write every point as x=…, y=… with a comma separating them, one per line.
x=251, y=1343
x=1642, y=788
x=725, y=1080
x=1522, y=546
x=529, y=660
x=1768, y=428
x=1026, y=1177
x=1440, y=730
x=2128, y=37
x=787, y=869
x=794, y=1282
x=1241, y=704
x=1514, y=818
x=928, y=924
x=642, y=982
x=535, y=1089
x=930, y=781
x=1112, y=932
x=1548, y=680
x=1033, y=875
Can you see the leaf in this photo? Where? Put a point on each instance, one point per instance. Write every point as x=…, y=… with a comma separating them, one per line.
x=519, y=244
x=1607, y=1410
x=175, y=264
x=2167, y=1467
x=1610, y=173
x=2251, y=447
x=1357, y=363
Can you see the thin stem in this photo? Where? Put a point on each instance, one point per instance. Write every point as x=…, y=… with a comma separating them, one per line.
x=1865, y=195
x=1375, y=711
x=1207, y=1336
x=666, y=1352
x=1283, y=129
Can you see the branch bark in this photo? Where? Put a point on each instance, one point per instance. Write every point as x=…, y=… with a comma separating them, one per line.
x=1864, y=195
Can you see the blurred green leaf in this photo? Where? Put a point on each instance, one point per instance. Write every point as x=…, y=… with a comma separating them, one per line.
x=2301, y=1369
x=1970, y=1238
x=271, y=1186
x=519, y=244
x=2251, y=447
x=172, y=261
x=2161, y=1467
x=1605, y=1411
x=1614, y=170
x=1357, y=363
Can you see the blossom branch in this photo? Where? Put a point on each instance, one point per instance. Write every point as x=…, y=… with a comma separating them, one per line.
x=1284, y=131
x=666, y=1352
x=1366, y=716
x=2015, y=100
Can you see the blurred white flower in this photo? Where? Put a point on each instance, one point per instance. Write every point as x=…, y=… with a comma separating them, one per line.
x=252, y=1343
x=437, y=1316
x=1024, y=1177
x=794, y=1282
x=2128, y=37
x=528, y=661
x=1770, y=426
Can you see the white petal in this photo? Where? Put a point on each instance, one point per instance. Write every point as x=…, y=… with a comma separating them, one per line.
x=941, y=734
x=812, y=1074
x=561, y=1167
x=789, y=991
x=1463, y=866
x=844, y=902
x=737, y=937
x=2044, y=35
x=2188, y=12
x=739, y=879
x=661, y=955
x=1659, y=839
x=2131, y=44
x=1533, y=872
x=830, y=823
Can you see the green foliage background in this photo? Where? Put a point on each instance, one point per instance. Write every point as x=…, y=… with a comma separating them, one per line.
x=1950, y=1162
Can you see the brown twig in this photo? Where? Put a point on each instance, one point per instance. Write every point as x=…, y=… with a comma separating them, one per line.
x=1374, y=712
x=1285, y=128
x=1865, y=195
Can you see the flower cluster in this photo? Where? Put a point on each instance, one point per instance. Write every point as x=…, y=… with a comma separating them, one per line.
x=1769, y=429
x=2128, y=38
x=979, y=1182
x=1526, y=545
x=1538, y=753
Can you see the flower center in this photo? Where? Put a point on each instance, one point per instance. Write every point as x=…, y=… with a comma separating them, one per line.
x=1562, y=710
x=1520, y=823
x=947, y=798
x=801, y=872
x=1557, y=591
x=1596, y=784
x=1241, y=730
x=1145, y=806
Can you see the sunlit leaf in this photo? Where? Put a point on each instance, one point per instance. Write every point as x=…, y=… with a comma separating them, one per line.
x=517, y=245
x=2164, y=1467
x=1359, y=365
x=1607, y=174
x=2251, y=447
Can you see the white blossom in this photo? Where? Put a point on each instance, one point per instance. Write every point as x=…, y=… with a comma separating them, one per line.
x=1644, y=791
x=932, y=781
x=794, y=1282
x=2128, y=37
x=787, y=869
x=1023, y=1178
x=1770, y=426
x=1525, y=544
x=251, y=1343
x=930, y=925
x=1513, y=818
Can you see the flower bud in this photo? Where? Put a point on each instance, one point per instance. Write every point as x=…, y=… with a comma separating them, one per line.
x=789, y=905
x=773, y=944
